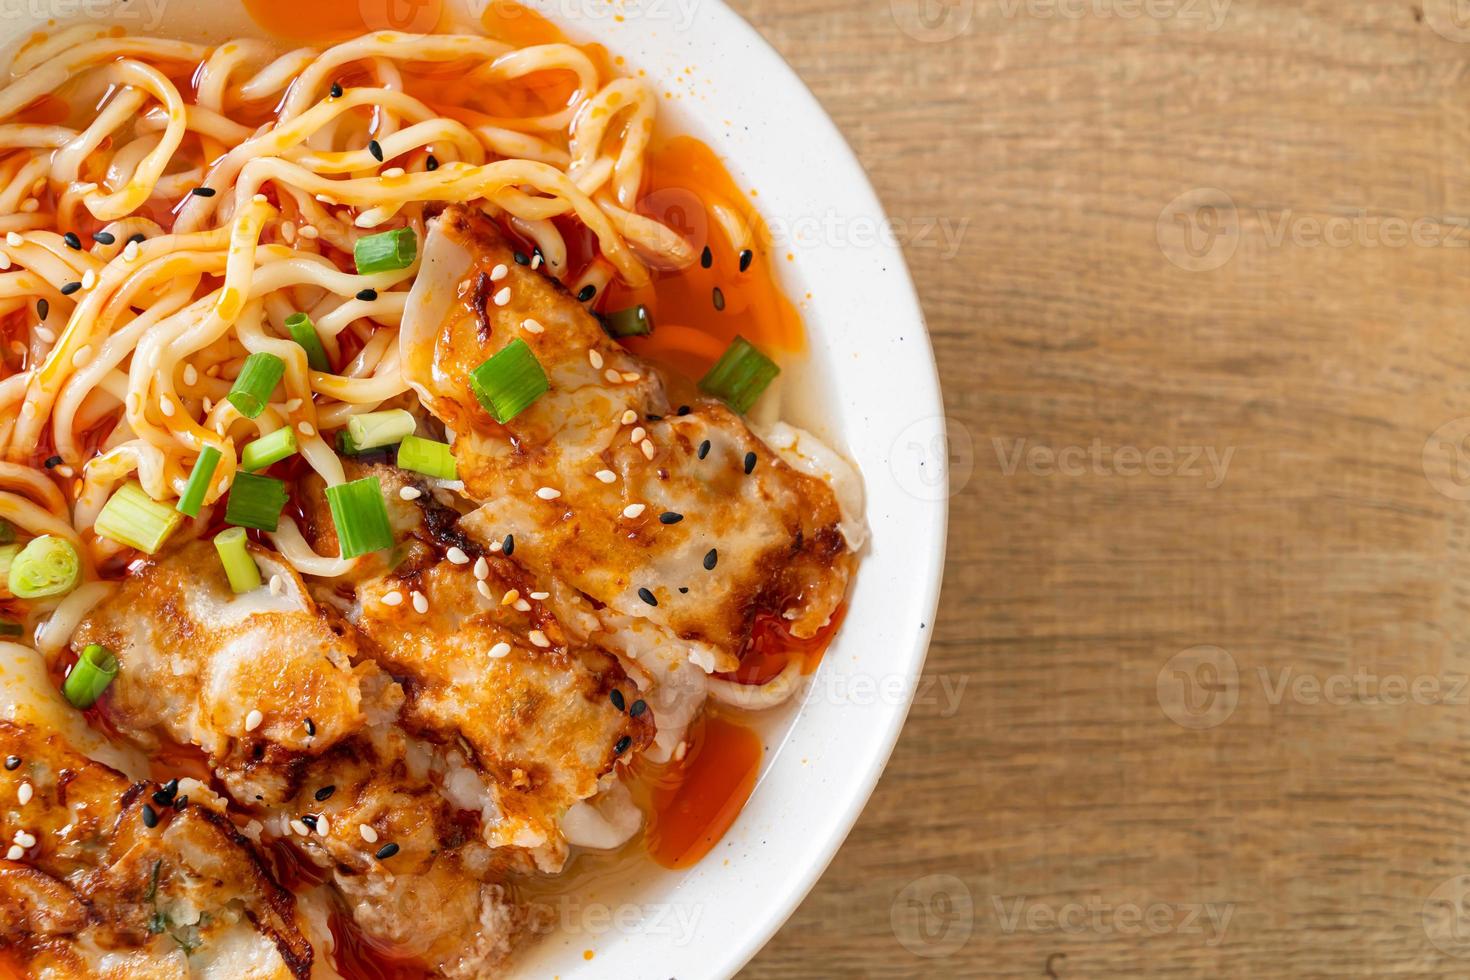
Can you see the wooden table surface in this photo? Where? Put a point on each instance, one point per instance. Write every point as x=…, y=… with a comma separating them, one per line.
x=1197, y=275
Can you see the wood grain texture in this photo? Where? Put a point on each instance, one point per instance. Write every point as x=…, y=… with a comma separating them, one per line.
x=1320, y=353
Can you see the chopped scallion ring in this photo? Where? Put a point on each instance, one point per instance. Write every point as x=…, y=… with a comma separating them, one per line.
x=198, y=485
x=303, y=331
x=361, y=517
x=94, y=670
x=255, y=501
x=510, y=381
x=269, y=448
x=135, y=519
x=373, y=430
x=234, y=554
x=47, y=566
x=632, y=322
x=428, y=457
x=258, y=378
x=387, y=251
x=740, y=375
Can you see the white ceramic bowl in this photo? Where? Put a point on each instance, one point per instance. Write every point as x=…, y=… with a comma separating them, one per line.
x=869, y=386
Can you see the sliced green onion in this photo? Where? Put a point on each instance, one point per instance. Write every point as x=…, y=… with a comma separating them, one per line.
x=258, y=378
x=240, y=568
x=255, y=501
x=427, y=457
x=345, y=445
x=198, y=484
x=270, y=448
x=740, y=375
x=94, y=670
x=137, y=520
x=510, y=381
x=361, y=517
x=376, y=429
x=46, y=567
x=7, y=532
x=632, y=322
x=387, y=251
x=303, y=331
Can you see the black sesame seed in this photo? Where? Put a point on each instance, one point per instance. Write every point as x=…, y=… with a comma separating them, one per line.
x=521, y=258
x=324, y=792
x=706, y=258
x=103, y=237
x=12, y=762
x=150, y=816
x=432, y=163
x=164, y=796
x=654, y=418
x=52, y=462
x=376, y=149
x=70, y=288
x=139, y=238
x=745, y=259
x=683, y=590
x=72, y=241
x=310, y=727
x=617, y=699
x=180, y=803
x=638, y=708
x=367, y=295
x=647, y=597
x=622, y=745
x=704, y=449
x=711, y=559
x=719, y=296
x=749, y=462
x=387, y=851
x=669, y=517
x=336, y=90
x=171, y=787
x=588, y=291
x=309, y=819
x=509, y=545
x=684, y=410
x=43, y=308
x=203, y=192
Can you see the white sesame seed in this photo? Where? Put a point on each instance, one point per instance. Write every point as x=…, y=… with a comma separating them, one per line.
x=80, y=357
x=548, y=493
x=293, y=405
x=494, y=545
x=638, y=434
x=420, y=603
x=612, y=376
x=595, y=359
x=368, y=834
x=633, y=511
x=631, y=376
x=482, y=568
x=540, y=596
x=14, y=240
x=306, y=429
x=539, y=638
x=499, y=272
x=531, y=326
x=4, y=261
x=394, y=598
x=30, y=206
x=606, y=476
x=65, y=472
x=308, y=232
x=45, y=335
x=166, y=407
x=410, y=493
x=89, y=279
x=24, y=839
x=680, y=751
x=323, y=827
x=536, y=261
x=130, y=252
x=522, y=606
x=629, y=417
x=253, y=720
x=484, y=590
x=457, y=556
x=500, y=650
x=502, y=297
x=191, y=375
x=277, y=586
x=393, y=172
x=260, y=199
x=15, y=853
x=647, y=447
x=208, y=404
x=510, y=597
x=300, y=828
